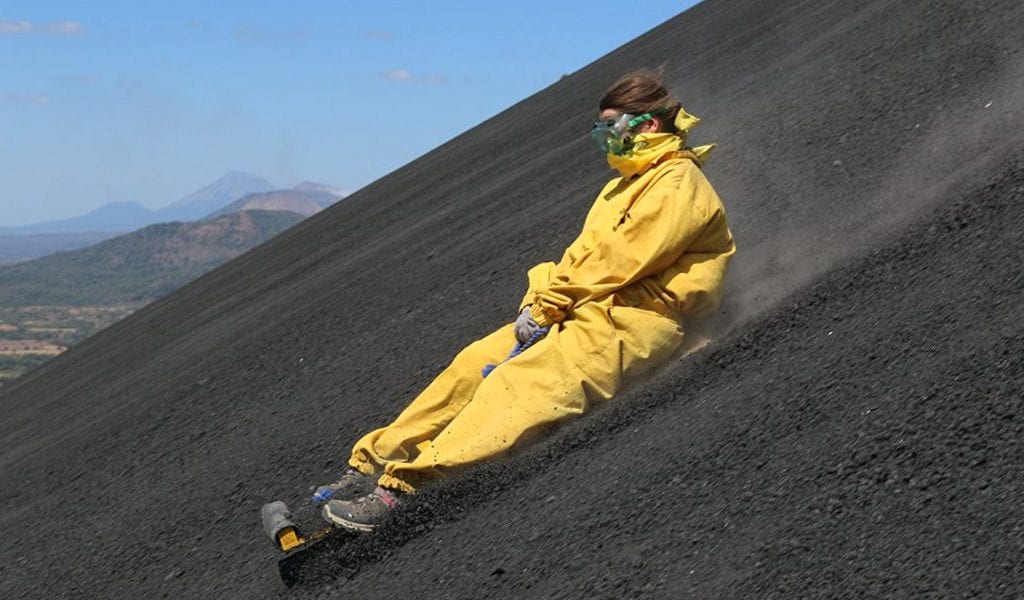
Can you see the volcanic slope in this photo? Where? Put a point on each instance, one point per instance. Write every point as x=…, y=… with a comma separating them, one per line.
x=852, y=431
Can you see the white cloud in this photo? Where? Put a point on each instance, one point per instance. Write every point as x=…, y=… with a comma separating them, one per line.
x=406, y=76
x=8, y=26
x=398, y=75
x=65, y=27
x=27, y=98
x=62, y=28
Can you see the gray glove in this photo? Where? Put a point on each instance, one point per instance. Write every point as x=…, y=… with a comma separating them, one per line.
x=525, y=326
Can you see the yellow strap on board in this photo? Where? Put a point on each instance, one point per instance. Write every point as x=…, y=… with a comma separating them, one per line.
x=289, y=538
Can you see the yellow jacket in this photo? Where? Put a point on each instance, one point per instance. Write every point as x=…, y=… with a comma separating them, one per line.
x=657, y=240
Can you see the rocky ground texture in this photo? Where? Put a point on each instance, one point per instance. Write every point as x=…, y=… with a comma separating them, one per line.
x=852, y=430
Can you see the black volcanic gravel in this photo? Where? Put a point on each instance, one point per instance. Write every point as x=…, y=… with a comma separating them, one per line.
x=852, y=431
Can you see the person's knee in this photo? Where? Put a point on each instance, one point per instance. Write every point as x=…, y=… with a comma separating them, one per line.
x=490, y=349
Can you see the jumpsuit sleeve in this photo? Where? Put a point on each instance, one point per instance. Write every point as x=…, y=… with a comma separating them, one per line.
x=537, y=277
x=646, y=239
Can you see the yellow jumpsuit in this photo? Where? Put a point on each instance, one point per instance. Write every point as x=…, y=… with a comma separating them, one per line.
x=654, y=248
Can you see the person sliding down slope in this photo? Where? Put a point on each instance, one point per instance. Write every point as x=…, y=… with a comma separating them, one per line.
x=653, y=250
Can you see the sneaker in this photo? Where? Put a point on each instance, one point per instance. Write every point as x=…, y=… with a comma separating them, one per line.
x=352, y=484
x=361, y=514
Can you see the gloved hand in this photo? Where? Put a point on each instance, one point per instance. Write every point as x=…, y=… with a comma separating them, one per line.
x=525, y=326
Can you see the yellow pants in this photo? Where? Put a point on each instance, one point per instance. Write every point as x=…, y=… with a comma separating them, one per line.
x=462, y=418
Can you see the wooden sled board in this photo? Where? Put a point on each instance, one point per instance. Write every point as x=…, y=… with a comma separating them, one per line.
x=321, y=558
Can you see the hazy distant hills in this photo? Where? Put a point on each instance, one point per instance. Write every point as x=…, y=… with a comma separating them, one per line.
x=225, y=195
x=225, y=190
x=111, y=217
x=126, y=216
x=306, y=199
x=139, y=266
x=14, y=248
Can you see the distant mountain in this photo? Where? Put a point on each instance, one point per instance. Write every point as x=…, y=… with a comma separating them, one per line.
x=140, y=266
x=233, y=192
x=113, y=216
x=16, y=248
x=288, y=200
x=307, y=199
x=205, y=201
x=128, y=216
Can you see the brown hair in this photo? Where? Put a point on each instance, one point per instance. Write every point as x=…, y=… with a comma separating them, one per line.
x=642, y=92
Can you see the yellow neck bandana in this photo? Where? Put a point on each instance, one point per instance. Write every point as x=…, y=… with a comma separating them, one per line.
x=650, y=148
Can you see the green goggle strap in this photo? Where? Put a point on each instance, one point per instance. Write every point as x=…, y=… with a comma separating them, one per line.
x=638, y=120
x=647, y=116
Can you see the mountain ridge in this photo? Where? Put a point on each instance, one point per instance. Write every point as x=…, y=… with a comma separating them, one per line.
x=139, y=266
x=121, y=216
x=307, y=200
x=217, y=198
x=112, y=216
x=213, y=196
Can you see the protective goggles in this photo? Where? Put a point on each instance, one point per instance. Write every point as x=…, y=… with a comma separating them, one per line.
x=613, y=135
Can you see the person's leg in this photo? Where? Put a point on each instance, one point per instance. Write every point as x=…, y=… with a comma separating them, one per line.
x=580, y=362
x=434, y=408
x=538, y=387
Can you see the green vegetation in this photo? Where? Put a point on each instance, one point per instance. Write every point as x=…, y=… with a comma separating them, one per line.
x=54, y=302
x=140, y=266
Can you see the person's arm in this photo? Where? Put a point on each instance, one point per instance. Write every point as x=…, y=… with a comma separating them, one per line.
x=537, y=278
x=655, y=231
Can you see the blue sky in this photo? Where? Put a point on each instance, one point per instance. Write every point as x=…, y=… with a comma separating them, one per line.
x=140, y=100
